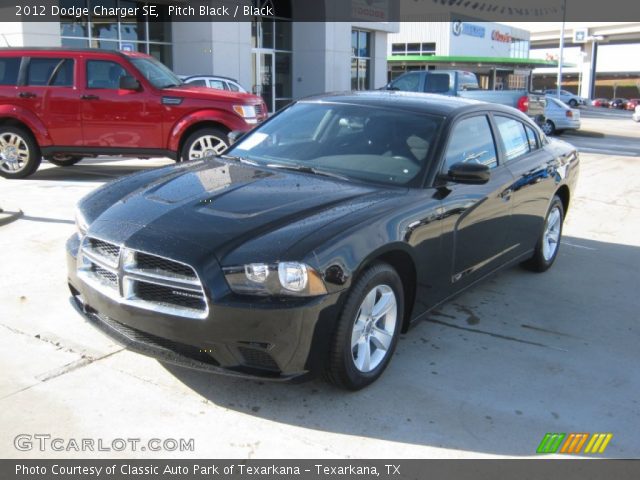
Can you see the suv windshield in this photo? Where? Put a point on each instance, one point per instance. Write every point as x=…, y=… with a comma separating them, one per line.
x=154, y=71
x=355, y=141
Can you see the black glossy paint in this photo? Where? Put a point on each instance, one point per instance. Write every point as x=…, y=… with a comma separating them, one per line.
x=442, y=237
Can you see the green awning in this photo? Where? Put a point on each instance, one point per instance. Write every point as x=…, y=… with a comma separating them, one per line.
x=502, y=61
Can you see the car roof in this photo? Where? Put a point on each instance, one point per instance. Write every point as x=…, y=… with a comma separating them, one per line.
x=26, y=50
x=189, y=77
x=418, y=102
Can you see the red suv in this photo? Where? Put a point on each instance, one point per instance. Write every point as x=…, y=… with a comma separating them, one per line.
x=67, y=104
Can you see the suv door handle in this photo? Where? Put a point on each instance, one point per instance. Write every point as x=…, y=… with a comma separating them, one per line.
x=90, y=97
x=26, y=95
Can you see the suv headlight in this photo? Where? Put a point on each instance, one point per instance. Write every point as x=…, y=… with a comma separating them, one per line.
x=276, y=279
x=248, y=112
x=81, y=223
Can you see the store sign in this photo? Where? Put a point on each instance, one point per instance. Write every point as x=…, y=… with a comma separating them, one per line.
x=462, y=28
x=370, y=10
x=498, y=36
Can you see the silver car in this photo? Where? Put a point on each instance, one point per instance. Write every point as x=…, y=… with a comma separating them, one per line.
x=569, y=98
x=559, y=117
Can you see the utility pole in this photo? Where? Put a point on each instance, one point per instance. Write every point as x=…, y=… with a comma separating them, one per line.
x=560, y=57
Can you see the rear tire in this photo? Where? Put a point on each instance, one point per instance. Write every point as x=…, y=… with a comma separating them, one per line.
x=548, y=244
x=63, y=160
x=548, y=127
x=573, y=103
x=368, y=327
x=209, y=141
x=19, y=153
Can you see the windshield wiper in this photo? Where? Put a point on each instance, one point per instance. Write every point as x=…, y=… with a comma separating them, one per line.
x=307, y=169
x=239, y=159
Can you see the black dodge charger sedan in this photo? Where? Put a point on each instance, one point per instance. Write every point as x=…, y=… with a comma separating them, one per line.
x=320, y=235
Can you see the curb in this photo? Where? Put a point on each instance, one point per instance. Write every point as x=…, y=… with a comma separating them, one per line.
x=8, y=217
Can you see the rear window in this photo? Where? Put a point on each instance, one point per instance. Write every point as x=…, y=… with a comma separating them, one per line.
x=50, y=71
x=9, y=68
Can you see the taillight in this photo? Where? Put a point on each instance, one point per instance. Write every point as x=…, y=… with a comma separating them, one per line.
x=523, y=104
x=569, y=114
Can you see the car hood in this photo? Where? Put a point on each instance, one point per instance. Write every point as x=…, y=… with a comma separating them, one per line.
x=206, y=93
x=216, y=206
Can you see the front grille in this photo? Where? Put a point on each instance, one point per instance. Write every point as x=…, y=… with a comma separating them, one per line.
x=170, y=296
x=107, y=277
x=144, y=261
x=257, y=358
x=142, y=279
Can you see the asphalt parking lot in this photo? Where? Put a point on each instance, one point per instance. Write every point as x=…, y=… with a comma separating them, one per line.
x=486, y=375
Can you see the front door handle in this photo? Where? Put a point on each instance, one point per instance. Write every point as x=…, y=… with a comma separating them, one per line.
x=26, y=95
x=90, y=97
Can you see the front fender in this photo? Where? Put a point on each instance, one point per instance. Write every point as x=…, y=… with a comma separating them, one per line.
x=28, y=118
x=228, y=120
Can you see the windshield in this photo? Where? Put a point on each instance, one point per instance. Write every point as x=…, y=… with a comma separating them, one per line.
x=359, y=142
x=154, y=71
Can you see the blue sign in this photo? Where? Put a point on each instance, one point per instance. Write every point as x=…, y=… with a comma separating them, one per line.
x=463, y=28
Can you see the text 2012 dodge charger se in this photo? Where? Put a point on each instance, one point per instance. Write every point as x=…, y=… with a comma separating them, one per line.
x=321, y=235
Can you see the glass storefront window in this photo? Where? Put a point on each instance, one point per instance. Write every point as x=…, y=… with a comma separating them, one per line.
x=131, y=33
x=360, y=60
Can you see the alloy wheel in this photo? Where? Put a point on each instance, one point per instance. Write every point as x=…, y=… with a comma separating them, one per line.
x=205, y=146
x=551, y=235
x=373, y=330
x=14, y=152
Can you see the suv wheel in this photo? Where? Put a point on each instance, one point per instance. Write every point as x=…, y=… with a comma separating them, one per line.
x=368, y=329
x=204, y=143
x=19, y=153
x=62, y=160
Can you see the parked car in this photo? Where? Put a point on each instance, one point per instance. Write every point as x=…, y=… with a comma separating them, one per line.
x=567, y=97
x=632, y=103
x=321, y=235
x=636, y=114
x=458, y=83
x=211, y=81
x=600, y=102
x=559, y=116
x=67, y=104
x=619, y=103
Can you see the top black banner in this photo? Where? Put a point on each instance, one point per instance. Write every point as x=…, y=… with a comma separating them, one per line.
x=321, y=10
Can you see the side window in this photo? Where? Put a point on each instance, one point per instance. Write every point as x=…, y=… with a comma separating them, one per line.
x=9, y=68
x=200, y=82
x=471, y=140
x=531, y=136
x=409, y=82
x=216, y=84
x=104, y=74
x=513, y=136
x=50, y=71
x=233, y=87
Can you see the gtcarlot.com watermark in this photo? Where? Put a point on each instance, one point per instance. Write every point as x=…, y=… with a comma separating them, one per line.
x=44, y=442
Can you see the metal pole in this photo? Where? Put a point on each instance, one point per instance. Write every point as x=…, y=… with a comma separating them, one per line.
x=560, y=57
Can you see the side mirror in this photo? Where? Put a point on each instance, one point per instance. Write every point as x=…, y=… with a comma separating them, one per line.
x=469, y=173
x=235, y=135
x=129, y=83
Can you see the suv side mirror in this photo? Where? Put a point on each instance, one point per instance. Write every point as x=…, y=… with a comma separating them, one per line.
x=129, y=83
x=235, y=135
x=469, y=173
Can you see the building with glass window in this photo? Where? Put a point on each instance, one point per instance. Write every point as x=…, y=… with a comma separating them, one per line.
x=498, y=54
x=278, y=59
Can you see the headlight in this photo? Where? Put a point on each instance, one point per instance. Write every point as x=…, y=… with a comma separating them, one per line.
x=81, y=223
x=277, y=279
x=248, y=112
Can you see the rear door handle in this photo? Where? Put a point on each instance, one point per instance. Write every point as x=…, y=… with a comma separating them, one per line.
x=26, y=95
x=90, y=97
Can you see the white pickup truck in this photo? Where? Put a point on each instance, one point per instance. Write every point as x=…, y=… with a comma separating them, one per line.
x=459, y=83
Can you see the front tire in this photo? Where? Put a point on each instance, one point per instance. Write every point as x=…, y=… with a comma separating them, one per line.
x=19, y=153
x=62, y=160
x=203, y=143
x=548, y=127
x=368, y=329
x=548, y=244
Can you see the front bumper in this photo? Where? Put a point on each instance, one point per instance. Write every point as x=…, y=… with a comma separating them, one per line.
x=240, y=336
